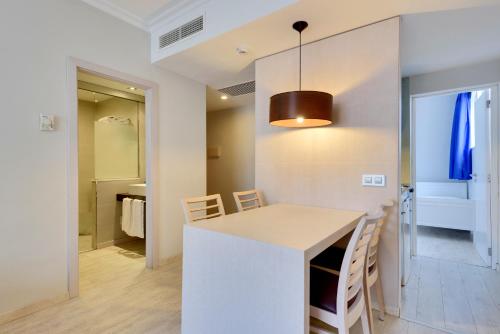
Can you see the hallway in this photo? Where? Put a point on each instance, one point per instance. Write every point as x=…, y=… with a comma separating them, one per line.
x=458, y=297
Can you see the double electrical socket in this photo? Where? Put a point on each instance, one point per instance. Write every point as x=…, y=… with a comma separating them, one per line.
x=373, y=180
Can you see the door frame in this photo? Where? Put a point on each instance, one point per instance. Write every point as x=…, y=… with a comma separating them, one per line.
x=151, y=149
x=494, y=163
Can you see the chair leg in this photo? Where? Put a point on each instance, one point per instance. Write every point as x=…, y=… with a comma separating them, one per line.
x=343, y=329
x=380, y=299
x=364, y=321
x=368, y=304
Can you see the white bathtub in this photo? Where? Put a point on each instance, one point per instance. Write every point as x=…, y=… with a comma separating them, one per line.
x=444, y=204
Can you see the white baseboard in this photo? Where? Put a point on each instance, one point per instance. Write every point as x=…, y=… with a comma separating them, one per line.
x=32, y=308
x=391, y=310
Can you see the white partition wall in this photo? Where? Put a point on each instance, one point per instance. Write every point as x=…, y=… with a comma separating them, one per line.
x=323, y=166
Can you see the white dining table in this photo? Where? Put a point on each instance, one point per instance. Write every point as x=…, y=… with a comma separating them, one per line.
x=248, y=272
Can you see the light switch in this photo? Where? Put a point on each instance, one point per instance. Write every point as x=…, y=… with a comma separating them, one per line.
x=379, y=180
x=373, y=180
x=47, y=122
x=367, y=180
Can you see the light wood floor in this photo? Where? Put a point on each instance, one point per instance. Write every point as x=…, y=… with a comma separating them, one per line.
x=118, y=295
x=458, y=297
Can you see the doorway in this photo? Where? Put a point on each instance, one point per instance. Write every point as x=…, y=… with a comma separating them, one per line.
x=110, y=160
x=111, y=164
x=230, y=141
x=454, y=170
x=453, y=163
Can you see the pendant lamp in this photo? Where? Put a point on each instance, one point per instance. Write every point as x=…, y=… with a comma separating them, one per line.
x=301, y=108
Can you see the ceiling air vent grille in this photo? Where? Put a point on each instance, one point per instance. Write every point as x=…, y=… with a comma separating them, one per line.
x=240, y=89
x=177, y=34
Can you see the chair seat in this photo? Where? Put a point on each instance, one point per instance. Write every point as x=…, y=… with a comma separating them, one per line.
x=332, y=258
x=323, y=293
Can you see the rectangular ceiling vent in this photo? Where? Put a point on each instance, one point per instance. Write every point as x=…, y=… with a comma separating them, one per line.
x=187, y=29
x=240, y=89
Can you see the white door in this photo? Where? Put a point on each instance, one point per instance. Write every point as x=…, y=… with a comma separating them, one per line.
x=481, y=174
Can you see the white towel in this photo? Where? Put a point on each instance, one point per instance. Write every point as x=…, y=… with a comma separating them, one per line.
x=126, y=214
x=137, y=221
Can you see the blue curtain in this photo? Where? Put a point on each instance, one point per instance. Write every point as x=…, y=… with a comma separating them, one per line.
x=460, y=150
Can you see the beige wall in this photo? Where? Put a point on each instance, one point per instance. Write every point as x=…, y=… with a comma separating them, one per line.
x=323, y=166
x=233, y=131
x=34, y=80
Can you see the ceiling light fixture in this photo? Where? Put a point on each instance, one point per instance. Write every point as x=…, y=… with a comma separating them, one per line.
x=132, y=88
x=224, y=97
x=302, y=108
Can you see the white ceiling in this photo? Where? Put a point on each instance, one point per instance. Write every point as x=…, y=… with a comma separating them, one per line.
x=435, y=34
x=436, y=41
x=215, y=103
x=143, y=8
x=141, y=13
x=117, y=85
x=217, y=64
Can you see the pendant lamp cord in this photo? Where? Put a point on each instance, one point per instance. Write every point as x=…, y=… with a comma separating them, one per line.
x=300, y=61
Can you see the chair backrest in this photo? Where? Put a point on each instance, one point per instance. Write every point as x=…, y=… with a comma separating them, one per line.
x=373, y=250
x=353, y=266
x=204, y=207
x=387, y=205
x=247, y=200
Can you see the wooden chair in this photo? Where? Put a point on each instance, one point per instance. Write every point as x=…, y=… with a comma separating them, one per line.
x=373, y=277
x=330, y=259
x=204, y=207
x=337, y=298
x=247, y=200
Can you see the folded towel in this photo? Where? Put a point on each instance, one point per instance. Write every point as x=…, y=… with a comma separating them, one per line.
x=137, y=221
x=126, y=214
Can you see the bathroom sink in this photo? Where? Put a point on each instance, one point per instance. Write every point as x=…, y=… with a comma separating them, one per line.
x=138, y=189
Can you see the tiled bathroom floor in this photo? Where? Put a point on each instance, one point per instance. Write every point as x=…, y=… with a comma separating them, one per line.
x=447, y=244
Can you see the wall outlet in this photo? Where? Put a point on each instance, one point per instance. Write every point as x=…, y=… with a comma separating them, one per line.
x=373, y=180
x=47, y=122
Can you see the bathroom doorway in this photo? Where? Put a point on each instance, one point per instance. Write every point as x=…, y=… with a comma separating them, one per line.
x=111, y=163
x=111, y=177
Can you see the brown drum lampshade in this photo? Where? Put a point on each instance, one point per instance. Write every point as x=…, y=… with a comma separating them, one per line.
x=301, y=109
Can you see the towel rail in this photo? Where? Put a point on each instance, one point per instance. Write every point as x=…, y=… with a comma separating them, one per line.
x=121, y=197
